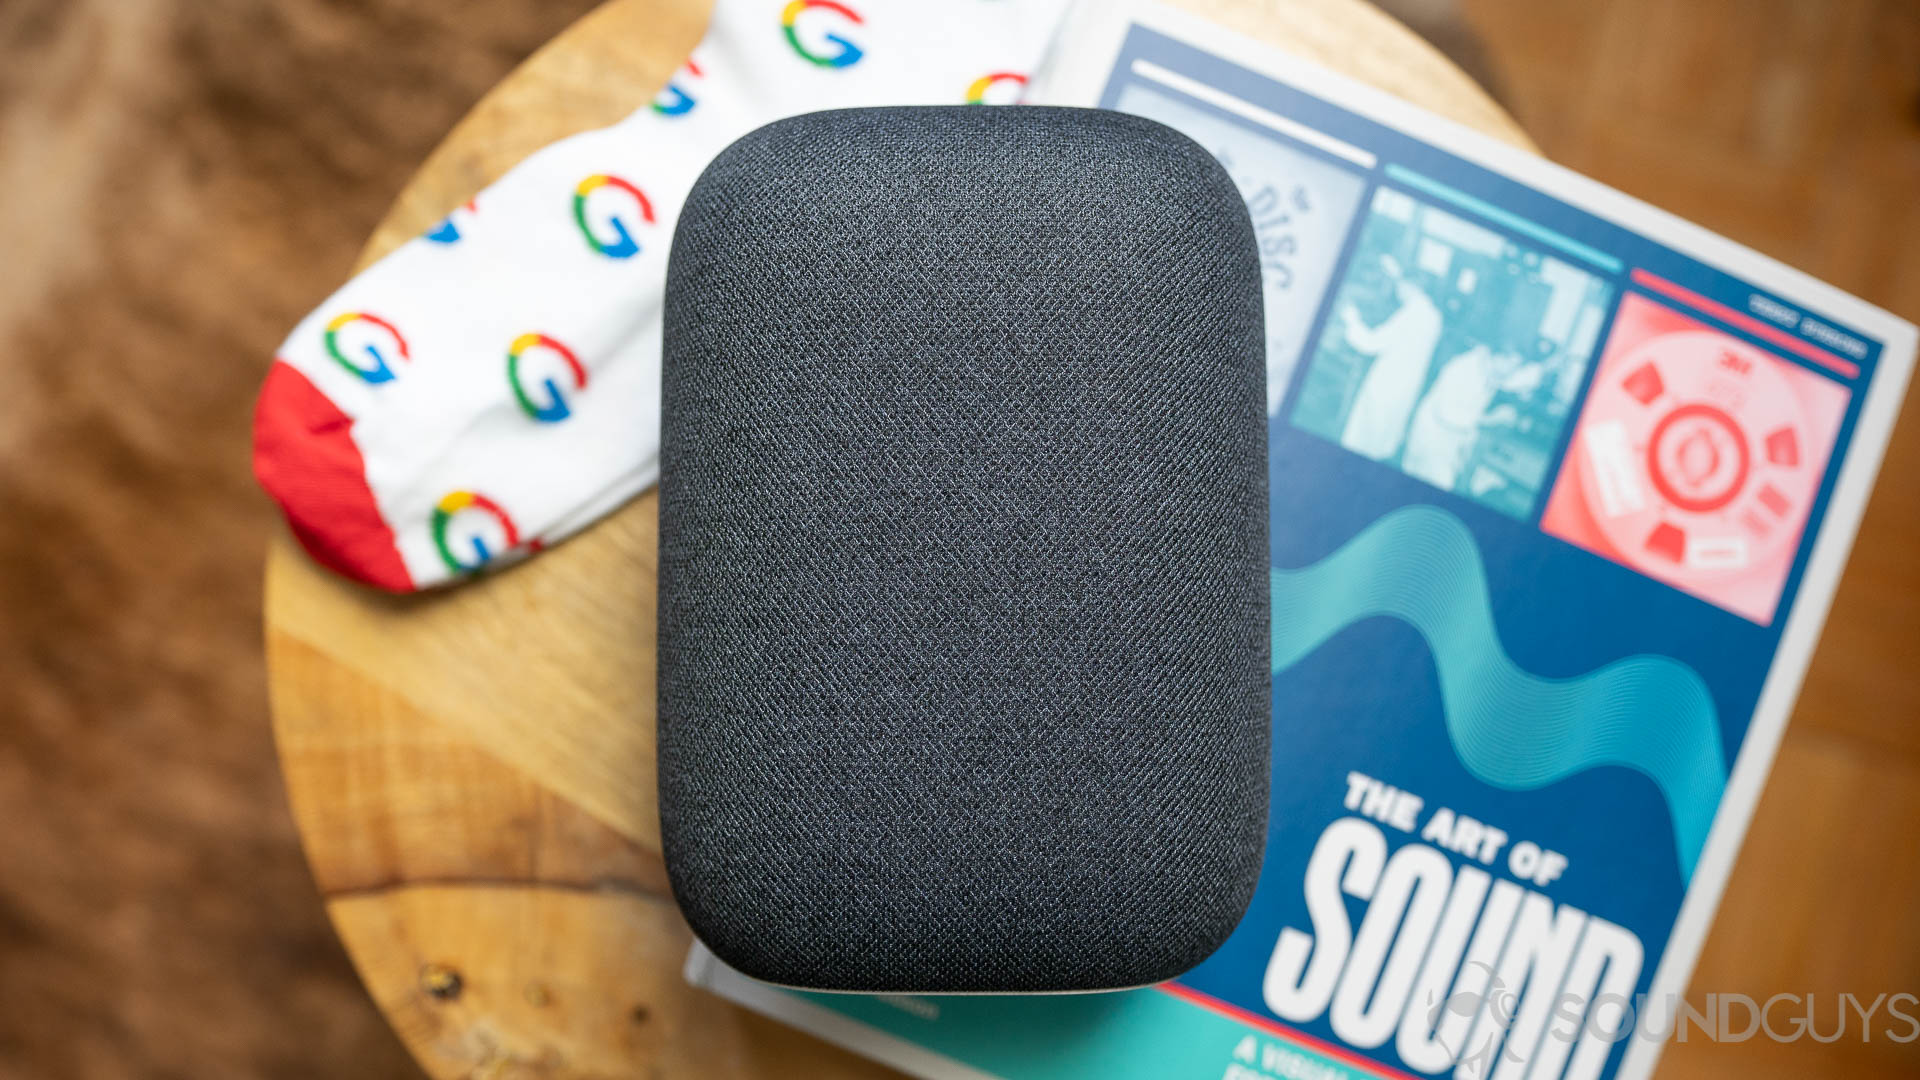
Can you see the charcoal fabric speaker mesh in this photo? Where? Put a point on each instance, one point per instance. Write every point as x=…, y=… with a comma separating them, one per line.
x=963, y=641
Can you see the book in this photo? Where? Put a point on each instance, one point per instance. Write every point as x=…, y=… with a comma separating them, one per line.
x=1561, y=490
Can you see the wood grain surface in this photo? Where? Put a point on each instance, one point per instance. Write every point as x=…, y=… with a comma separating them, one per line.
x=472, y=771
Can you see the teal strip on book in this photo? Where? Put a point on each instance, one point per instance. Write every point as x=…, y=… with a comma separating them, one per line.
x=1503, y=217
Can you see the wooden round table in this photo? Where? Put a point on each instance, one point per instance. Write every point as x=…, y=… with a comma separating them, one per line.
x=472, y=771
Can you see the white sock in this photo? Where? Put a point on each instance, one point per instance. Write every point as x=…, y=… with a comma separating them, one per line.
x=494, y=386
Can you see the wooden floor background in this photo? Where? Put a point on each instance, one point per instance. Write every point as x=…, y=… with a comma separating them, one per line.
x=185, y=177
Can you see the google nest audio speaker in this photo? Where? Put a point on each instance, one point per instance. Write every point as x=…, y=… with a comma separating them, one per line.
x=963, y=623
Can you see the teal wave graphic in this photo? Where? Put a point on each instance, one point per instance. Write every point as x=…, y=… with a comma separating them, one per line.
x=1512, y=729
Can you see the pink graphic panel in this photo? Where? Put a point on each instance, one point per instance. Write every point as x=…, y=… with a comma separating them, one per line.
x=1697, y=459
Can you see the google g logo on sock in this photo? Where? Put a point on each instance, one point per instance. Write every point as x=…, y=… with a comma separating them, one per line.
x=977, y=93
x=845, y=54
x=672, y=100
x=448, y=230
x=556, y=408
x=623, y=245
x=454, y=508
x=368, y=331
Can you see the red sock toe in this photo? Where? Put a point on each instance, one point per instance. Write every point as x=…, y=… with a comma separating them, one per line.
x=305, y=457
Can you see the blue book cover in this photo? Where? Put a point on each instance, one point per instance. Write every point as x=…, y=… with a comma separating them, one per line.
x=1561, y=489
